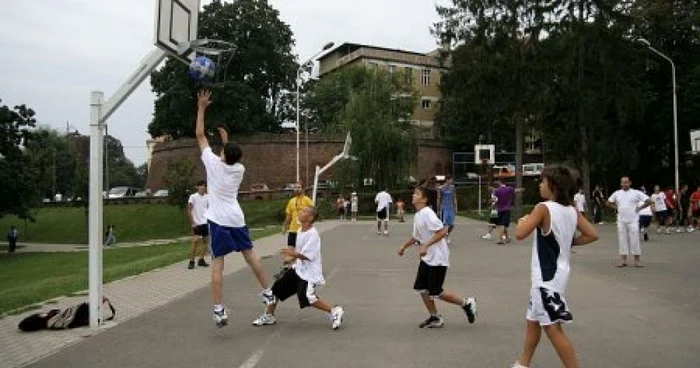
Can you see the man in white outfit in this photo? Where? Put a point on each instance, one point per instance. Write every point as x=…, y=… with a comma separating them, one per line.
x=580, y=201
x=626, y=202
x=383, y=201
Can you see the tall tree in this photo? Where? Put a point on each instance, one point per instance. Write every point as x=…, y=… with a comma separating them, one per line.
x=249, y=81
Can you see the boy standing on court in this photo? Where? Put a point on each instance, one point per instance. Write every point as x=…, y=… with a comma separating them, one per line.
x=429, y=234
x=383, y=201
x=305, y=276
x=227, y=227
x=447, y=204
x=555, y=221
x=196, y=207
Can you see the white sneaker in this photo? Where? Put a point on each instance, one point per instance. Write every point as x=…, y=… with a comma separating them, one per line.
x=379, y=232
x=691, y=229
x=678, y=230
x=487, y=236
x=220, y=318
x=386, y=232
x=337, y=317
x=517, y=365
x=265, y=319
x=268, y=297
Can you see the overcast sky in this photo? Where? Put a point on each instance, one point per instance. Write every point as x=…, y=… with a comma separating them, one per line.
x=54, y=52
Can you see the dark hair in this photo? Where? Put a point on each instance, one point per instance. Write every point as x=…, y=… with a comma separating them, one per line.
x=425, y=192
x=202, y=183
x=232, y=153
x=563, y=182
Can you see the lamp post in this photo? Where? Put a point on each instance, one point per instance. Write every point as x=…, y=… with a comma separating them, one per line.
x=298, y=80
x=675, y=110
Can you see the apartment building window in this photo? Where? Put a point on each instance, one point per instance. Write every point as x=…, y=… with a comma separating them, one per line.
x=425, y=77
x=425, y=104
x=373, y=64
x=392, y=69
x=408, y=74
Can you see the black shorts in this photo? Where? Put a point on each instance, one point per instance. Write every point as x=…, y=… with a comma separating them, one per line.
x=661, y=216
x=383, y=214
x=291, y=239
x=644, y=221
x=289, y=284
x=200, y=230
x=430, y=279
x=504, y=218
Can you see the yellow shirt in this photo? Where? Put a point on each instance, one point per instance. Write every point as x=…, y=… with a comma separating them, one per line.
x=294, y=207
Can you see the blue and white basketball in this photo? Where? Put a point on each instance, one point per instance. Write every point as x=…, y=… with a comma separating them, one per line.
x=202, y=68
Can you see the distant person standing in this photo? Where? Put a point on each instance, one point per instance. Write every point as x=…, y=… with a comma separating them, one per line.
x=658, y=199
x=400, y=211
x=354, y=205
x=340, y=207
x=645, y=217
x=598, y=205
x=447, y=204
x=684, y=209
x=110, y=236
x=197, y=206
x=12, y=237
x=292, y=224
x=580, y=202
x=505, y=195
x=383, y=201
x=626, y=201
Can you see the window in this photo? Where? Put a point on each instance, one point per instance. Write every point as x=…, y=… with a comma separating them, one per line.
x=392, y=69
x=425, y=104
x=373, y=64
x=408, y=73
x=425, y=78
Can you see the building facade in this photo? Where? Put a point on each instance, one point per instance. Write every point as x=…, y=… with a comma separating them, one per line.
x=423, y=71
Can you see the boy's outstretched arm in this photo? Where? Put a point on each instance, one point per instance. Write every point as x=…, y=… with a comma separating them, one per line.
x=528, y=223
x=588, y=233
x=203, y=101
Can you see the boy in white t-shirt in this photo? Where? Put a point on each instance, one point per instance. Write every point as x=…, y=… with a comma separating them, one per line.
x=429, y=234
x=383, y=201
x=626, y=202
x=580, y=202
x=197, y=206
x=305, y=276
x=353, y=205
x=658, y=204
x=227, y=228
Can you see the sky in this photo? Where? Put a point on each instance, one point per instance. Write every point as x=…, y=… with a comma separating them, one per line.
x=54, y=52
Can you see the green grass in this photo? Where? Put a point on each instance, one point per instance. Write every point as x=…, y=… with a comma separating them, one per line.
x=28, y=278
x=134, y=222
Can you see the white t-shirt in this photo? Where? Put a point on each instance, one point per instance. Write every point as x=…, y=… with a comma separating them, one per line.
x=222, y=183
x=646, y=211
x=382, y=199
x=659, y=200
x=425, y=225
x=309, y=244
x=627, y=204
x=353, y=204
x=580, y=201
x=199, y=203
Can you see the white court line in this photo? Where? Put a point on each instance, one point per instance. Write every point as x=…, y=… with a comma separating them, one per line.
x=253, y=360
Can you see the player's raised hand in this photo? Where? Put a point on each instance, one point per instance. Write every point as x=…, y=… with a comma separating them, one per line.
x=203, y=98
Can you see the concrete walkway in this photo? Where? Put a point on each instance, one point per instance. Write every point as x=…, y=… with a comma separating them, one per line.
x=623, y=317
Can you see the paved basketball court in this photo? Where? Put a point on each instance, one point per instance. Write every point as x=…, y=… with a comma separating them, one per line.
x=622, y=317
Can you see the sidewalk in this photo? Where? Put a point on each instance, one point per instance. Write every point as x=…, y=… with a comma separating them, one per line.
x=131, y=296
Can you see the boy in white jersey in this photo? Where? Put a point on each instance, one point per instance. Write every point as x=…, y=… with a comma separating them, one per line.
x=305, y=276
x=556, y=222
x=658, y=203
x=626, y=202
x=429, y=234
x=227, y=228
x=383, y=201
x=197, y=206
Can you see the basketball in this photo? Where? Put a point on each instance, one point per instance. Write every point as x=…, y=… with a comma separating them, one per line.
x=202, y=69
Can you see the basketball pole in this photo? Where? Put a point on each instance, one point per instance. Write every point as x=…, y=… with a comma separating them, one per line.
x=100, y=111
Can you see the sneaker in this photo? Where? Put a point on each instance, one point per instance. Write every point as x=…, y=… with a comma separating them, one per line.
x=678, y=230
x=337, y=317
x=386, y=232
x=265, y=319
x=268, y=297
x=379, y=232
x=201, y=263
x=191, y=265
x=690, y=229
x=220, y=318
x=646, y=237
x=668, y=231
x=470, y=309
x=487, y=236
x=517, y=365
x=432, y=322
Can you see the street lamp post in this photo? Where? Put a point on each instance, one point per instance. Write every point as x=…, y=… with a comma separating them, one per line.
x=675, y=110
x=298, y=80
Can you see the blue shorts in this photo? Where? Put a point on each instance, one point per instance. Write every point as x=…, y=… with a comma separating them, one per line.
x=448, y=217
x=224, y=240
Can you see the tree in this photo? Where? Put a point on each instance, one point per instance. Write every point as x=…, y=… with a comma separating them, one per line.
x=249, y=82
x=17, y=193
x=178, y=178
x=375, y=106
x=141, y=175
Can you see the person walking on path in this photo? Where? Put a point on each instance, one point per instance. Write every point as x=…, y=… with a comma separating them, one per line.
x=227, y=227
x=626, y=202
x=598, y=205
x=12, y=238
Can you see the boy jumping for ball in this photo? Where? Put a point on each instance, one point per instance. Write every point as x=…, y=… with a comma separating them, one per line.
x=227, y=228
x=429, y=233
x=305, y=275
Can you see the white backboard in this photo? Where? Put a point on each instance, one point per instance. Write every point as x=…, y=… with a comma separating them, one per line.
x=176, y=25
x=484, y=152
x=695, y=140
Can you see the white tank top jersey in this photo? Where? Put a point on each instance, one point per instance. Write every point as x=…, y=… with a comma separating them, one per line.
x=551, y=252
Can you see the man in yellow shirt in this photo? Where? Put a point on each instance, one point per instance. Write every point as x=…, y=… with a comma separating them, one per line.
x=291, y=223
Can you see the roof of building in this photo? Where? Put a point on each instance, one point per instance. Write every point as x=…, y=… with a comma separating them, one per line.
x=350, y=47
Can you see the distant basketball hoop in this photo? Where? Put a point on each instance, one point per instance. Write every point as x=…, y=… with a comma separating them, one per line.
x=484, y=154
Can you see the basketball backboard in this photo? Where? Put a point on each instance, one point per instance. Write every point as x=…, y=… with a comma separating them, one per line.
x=484, y=154
x=176, y=26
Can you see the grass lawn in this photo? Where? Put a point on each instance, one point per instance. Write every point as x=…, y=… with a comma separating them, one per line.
x=133, y=222
x=29, y=278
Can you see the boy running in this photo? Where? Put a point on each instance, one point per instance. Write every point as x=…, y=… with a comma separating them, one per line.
x=196, y=207
x=429, y=234
x=556, y=222
x=227, y=227
x=305, y=276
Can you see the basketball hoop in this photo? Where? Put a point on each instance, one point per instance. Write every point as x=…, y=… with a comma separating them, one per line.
x=212, y=47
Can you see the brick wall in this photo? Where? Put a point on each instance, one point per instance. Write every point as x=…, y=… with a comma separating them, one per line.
x=271, y=159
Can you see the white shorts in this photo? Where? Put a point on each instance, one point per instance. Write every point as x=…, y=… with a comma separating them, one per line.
x=547, y=307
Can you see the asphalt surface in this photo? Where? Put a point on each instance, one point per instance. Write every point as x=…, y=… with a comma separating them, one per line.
x=648, y=317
